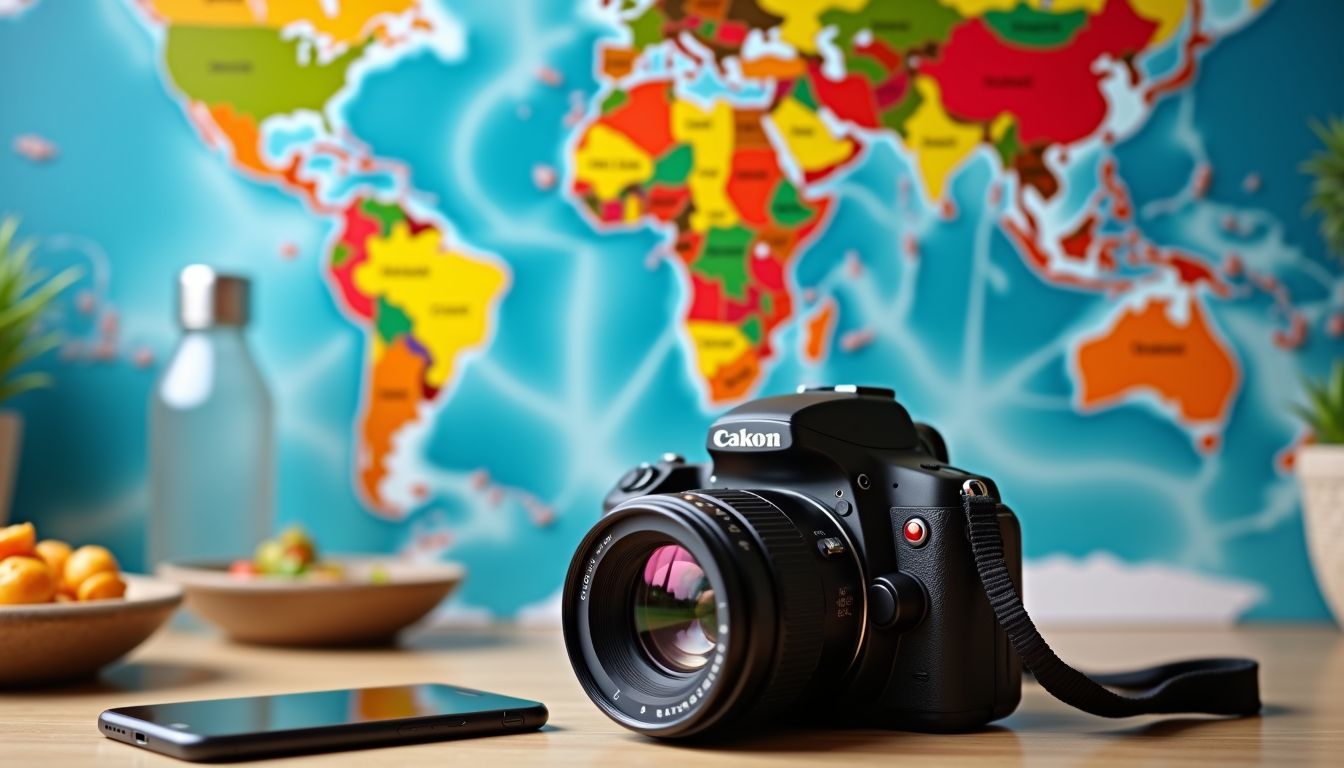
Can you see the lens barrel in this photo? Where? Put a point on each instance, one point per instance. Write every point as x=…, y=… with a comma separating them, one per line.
x=686, y=613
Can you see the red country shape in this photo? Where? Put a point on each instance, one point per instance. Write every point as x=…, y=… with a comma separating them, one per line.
x=1053, y=94
x=1076, y=243
x=666, y=203
x=706, y=299
x=851, y=99
x=358, y=227
x=767, y=272
x=645, y=117
x=737, y=312
x=755, y=174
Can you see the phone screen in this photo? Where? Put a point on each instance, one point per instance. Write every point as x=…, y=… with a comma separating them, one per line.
x=298, y=711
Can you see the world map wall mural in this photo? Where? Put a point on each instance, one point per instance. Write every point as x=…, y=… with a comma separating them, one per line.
x=505, y=250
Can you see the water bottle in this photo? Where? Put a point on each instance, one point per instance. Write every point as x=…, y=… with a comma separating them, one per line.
x=211, y=444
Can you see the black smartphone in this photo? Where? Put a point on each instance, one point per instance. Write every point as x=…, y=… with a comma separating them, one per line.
x=236, y=729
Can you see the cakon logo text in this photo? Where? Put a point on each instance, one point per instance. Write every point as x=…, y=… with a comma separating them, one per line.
x=744, y=439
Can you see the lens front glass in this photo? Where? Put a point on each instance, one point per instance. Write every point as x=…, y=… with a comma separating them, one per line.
x=674, y=610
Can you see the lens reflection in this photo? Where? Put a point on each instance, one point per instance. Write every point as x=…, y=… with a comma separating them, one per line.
x=674, y=610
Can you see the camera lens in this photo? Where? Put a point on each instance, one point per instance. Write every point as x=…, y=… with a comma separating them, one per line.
x=686, y=613
x=674, y=610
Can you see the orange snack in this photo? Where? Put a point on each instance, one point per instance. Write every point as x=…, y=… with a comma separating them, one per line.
x=17, y=540
x=54, y=553
x=25, y=580
x=103, y=585
x=85, y=562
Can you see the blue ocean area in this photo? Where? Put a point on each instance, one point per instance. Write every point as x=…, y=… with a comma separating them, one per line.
x=588, y=369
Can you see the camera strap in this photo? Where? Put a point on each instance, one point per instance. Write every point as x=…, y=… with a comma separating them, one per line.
x=1212, y=686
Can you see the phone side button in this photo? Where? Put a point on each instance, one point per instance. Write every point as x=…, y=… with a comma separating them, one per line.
x=513, y=718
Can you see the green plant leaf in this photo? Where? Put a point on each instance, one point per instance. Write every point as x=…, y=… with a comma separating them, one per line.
x=1336, y=393
x=25, y=294
x=1324, y=409
x=1326, y=168
x=24, y=383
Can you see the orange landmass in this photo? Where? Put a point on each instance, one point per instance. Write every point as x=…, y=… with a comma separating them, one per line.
x=617, y=62
x=819, y=328
x=393, y=401
x=1186, y=365
x=734, y=380
x=241, y=131
x=771, y=67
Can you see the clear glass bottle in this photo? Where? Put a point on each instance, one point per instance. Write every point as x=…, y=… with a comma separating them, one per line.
x=212, y=452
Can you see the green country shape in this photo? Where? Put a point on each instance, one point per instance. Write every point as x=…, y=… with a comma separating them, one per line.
x=673, y=166
x=613, y=100
x=786, y=207
x=1035, y=29
x=339, y=254
x=390, y=321
x=752, y=329
x=867, y=67
x=802, y=91
x=648, y=28
x=251, y=68
x=902, y=25
x=386, y=214
x=724, y=256
x=1008, y=146
x=895, y=117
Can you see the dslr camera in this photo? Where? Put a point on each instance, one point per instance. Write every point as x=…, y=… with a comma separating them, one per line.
x=819, y=566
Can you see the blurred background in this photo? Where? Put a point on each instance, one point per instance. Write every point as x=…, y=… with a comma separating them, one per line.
x=502, y=251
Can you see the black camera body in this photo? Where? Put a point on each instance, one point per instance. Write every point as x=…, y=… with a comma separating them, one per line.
x=819, y=566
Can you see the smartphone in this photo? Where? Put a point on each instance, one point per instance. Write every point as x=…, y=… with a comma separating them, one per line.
x=234, y=729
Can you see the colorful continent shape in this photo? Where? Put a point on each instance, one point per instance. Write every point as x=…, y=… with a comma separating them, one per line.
x=425, y=304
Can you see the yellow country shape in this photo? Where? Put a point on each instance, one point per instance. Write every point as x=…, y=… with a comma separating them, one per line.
x=351, y=21
x=802, y=18
x=710, y=135
x=810, y=142
x=610, y=161
x=939, y=143
x=716, y=344
x=446, y=294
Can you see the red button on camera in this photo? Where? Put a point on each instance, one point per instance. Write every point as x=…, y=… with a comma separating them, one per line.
x=916, y=532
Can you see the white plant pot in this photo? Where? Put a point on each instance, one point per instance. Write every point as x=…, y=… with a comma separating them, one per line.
x=1320, y=470
x=11, y=440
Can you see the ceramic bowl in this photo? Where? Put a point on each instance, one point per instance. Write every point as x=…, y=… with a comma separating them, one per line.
x=55, y=642
x=374, y=600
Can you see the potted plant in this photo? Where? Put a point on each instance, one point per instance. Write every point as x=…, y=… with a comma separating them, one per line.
x=24, y=295
x=1320, y=470
x=1320, y=466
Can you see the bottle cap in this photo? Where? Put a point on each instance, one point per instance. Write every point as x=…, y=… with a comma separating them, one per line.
x=206, y=298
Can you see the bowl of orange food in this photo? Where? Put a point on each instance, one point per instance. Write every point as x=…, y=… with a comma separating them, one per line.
x=66, y=612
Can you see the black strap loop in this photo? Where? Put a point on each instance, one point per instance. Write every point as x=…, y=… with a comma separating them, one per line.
x=1210, y=686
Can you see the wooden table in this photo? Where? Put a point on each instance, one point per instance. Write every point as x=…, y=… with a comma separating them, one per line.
x=1302, y=680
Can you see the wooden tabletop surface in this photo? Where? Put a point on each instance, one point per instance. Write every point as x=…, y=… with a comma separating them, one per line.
x=1302, y=683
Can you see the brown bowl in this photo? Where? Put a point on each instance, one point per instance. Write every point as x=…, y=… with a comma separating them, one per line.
x=55, y=642
x=355, y=610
